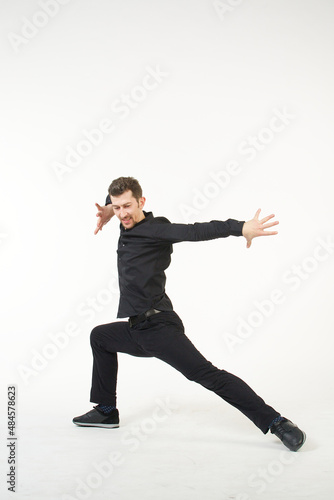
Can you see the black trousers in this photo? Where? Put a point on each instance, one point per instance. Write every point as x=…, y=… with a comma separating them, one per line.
x=162, y=336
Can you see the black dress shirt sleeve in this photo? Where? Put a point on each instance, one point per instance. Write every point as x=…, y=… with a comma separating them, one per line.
x=160, y=229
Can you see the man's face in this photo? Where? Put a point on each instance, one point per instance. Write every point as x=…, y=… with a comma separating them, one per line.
x=128, y=209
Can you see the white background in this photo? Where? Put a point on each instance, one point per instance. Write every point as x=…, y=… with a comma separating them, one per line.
x=228, y=68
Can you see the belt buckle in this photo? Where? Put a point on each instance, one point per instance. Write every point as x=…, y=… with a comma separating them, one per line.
x=134, y=320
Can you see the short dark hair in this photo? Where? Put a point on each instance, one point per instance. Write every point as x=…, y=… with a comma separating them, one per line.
x=122, y=184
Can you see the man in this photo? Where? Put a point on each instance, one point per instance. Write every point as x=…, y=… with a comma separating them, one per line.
x=153, y=328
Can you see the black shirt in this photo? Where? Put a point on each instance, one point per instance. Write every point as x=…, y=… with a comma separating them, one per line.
x=144, y=253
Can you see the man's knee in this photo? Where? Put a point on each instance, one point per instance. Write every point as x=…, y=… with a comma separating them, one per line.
x=95, y=334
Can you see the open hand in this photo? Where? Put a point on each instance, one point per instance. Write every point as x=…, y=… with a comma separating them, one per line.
x=104, y=215
x=255, y=227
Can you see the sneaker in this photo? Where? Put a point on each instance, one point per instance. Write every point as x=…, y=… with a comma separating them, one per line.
x=96, y=418
x=290, y=435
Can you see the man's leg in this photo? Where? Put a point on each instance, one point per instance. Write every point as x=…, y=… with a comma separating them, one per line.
x=106, y=340
x=163, y=336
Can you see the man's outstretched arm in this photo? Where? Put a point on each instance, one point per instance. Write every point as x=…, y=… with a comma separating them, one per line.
x=255, y=227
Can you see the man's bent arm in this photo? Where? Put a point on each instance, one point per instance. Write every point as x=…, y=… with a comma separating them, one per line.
x=104, y=214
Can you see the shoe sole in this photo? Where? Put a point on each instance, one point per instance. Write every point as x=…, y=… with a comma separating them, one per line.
x=106, y=426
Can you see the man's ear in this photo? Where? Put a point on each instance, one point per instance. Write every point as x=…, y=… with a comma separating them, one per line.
x=142, y=202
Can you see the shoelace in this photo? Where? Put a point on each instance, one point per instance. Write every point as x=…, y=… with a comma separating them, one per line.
x=278, y=430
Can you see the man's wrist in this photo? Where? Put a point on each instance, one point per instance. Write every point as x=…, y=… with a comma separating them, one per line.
x=243, y=229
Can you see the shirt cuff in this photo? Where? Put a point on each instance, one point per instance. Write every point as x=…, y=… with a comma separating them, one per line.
x=235, y=227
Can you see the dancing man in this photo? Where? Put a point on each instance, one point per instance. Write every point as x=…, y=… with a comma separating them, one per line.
x=153, y=329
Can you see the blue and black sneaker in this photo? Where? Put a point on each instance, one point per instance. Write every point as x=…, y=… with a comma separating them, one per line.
x=97, y=418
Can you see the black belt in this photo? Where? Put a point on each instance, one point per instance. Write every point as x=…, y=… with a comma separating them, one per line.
x=134, y=320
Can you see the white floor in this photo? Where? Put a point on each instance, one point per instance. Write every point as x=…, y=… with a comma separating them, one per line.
x=180, y=449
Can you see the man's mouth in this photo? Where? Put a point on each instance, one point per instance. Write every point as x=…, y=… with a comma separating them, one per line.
x=126, y=220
